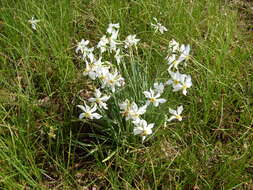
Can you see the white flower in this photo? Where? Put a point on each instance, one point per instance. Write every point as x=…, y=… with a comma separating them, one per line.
x=185, y=83
x=88, y=112
x=112, y=28
x=153, y=98
x=113, y=41
x=118, y=56
x=158, y=88
x=131, y=40
x=185, y=52
x=173, y=62
x=113, y=80
x=89, y=70
x=173, y=46
x=99, y=99
x=142, y=128
x=125, y=108
x=102, y=44
x=95, y=68
x=176, y=79
x=33, y=23
x=135, y=112
x=83, y=48
x=176, y=113
x=158, y=26
x=102, y=73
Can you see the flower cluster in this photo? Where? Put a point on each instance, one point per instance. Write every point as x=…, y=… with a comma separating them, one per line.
x=103, y=72
x=178, y=54
x=107, y=76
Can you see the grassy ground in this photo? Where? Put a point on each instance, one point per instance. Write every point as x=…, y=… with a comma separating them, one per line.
x=41, y=84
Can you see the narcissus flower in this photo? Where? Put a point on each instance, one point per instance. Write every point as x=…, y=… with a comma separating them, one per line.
x=131, y=40
x=176, y=79
x=88, y=112
x=118, y=56
x=185, y=83
x=82, y=46
x=185, y=53
x=125, y=108
x=99, y=99
x=135, y=112
x=153, y=98
x=173, y=47
x=158, y=26
x=112, y=28
x=33, y=23
x=158, y=87
x=176, y=114
x=142, y=128
x=102, y=44
x=112, y=80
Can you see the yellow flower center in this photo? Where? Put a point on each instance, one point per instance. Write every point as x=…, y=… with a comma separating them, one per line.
x=87, y=115
x=111, y=81
x=144, y=133
x=98, y=100
x=178, y=117
x=175, y=62
x=152, y=99
x=176, y=82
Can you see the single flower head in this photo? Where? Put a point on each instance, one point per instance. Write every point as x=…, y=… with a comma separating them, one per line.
x=135, y=112
x=158, y=26
x=185, y=53
x=99, y=99
x=103, y=44
x=176, y=114
x=112, y=28
x=153, y=98
x=173, y=47
x=82, y=47
x=142, y=128
x=118, y=56
x=33, y=23
x=88, y=112
x=131, y=40
x=158, y=87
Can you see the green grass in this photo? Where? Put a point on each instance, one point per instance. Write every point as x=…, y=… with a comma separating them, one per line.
x=41, y=83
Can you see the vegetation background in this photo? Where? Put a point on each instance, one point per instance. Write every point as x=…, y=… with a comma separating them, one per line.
x=40, y=82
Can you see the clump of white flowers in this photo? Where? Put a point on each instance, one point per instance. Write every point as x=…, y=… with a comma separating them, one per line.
x=103, y=66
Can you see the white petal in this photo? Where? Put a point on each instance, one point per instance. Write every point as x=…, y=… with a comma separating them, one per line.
x=82, y=107
x=142, y=109
x=96, y=115
x=81, y=116
x=177, y=87
x=169, y=82
x=173, y=112
x=184, y=92
x=151, y=125
x=138, y=130
x=92, y=99
x=179, y=110
x=156, y=103
x=147, y=94
x=161, y=100
x=93, y=109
